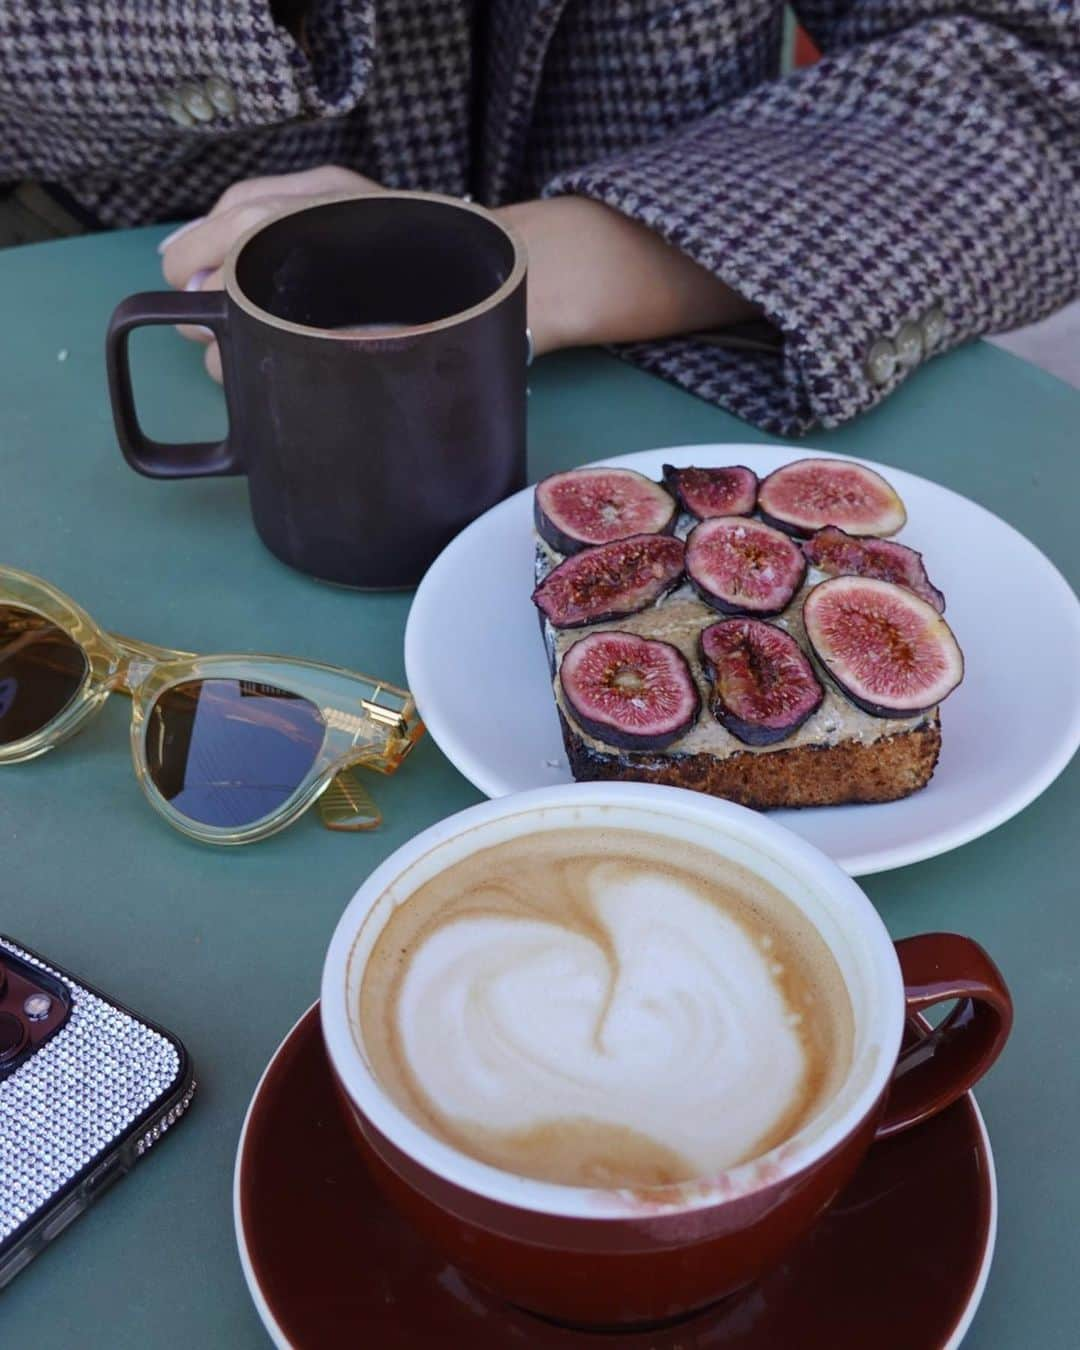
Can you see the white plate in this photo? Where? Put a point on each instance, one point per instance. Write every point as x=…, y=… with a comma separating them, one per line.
x=475, y=662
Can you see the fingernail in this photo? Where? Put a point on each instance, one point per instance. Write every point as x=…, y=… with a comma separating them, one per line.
x=180, y=229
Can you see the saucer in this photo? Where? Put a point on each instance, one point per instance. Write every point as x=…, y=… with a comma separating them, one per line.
x=329, y=1263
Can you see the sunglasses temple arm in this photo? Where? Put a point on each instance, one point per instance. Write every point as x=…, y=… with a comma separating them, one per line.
x=381, y=741
x=347, y=805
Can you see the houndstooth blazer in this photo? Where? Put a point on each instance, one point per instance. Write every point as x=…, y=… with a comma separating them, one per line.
x=917, y=187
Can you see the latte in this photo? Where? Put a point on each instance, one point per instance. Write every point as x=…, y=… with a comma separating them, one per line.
x=604, y=1008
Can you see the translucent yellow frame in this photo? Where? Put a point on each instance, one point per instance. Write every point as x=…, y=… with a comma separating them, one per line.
x=366, y=722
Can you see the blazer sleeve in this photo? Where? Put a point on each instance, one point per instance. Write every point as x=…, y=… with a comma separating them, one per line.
x=917, y=187
x=84, y=85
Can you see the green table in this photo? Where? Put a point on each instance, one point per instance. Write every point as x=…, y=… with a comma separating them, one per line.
x=225, y=946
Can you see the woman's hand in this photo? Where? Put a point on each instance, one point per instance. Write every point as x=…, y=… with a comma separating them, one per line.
x=596, y=276
x=191, y=258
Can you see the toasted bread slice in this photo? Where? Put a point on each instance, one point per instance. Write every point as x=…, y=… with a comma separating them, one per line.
x=804, y=775
x=840, y=755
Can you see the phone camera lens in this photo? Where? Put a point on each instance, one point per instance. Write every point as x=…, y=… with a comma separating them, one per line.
x=12, y=1036
x=37, y=1007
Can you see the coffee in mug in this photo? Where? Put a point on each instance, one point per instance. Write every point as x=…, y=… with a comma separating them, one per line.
x=605, y=1008
x=373, y=355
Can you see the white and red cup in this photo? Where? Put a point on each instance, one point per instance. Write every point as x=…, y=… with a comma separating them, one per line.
x=610, y=1258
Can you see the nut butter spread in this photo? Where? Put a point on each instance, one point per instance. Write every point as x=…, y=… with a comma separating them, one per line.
x=679, y=618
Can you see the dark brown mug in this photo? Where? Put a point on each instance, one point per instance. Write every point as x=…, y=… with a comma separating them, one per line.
x=373, y=356
x=607, y=1258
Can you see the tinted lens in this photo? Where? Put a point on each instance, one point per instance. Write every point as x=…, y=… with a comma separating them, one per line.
x=41, y=671
x=230, y=752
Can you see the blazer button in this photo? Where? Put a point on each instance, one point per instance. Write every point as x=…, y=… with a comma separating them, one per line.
x=933, y=327
x=196, y=103
x=220, y=93
x=172, y=107
x=881, y=362
x=909, y=344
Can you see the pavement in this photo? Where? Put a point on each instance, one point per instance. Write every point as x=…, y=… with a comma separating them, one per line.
x=1052, y=343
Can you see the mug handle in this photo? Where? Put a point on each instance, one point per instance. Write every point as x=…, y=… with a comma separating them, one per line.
x=158, y=459
x=931, y=1074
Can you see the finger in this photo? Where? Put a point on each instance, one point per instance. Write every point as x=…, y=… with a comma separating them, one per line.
x=180, y=229
x=309, y=182
x=212, y=362
x=201, y=281
x=205, y=246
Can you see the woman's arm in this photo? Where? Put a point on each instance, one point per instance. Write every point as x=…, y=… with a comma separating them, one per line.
x=595, y=276
x=102, y=98
x=919, y=186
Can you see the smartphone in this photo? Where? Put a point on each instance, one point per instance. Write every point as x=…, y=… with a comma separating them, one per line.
x=87, y=1088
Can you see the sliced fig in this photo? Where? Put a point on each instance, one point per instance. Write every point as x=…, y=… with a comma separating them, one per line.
x=811, y=493
x=889, y=651
x=629, y=691
x=585, y=507
x=839, y=554
x=731, y=491
x=763, y=686
x=741, y=566
x=610, y=581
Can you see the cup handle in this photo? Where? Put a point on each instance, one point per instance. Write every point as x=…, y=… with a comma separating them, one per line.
x=157, y=459
x=931, y=1074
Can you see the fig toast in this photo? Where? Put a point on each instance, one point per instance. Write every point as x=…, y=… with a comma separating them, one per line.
x=714, y=677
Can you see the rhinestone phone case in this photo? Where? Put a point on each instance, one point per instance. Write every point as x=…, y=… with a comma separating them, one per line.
x=79, y=1113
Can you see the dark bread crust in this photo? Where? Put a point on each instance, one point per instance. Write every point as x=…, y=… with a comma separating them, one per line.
x=803, y=775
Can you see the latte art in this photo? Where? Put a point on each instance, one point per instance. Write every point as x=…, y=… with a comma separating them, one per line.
x=590, y=1011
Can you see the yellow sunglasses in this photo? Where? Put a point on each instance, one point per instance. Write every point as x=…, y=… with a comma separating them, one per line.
x=229, y=749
